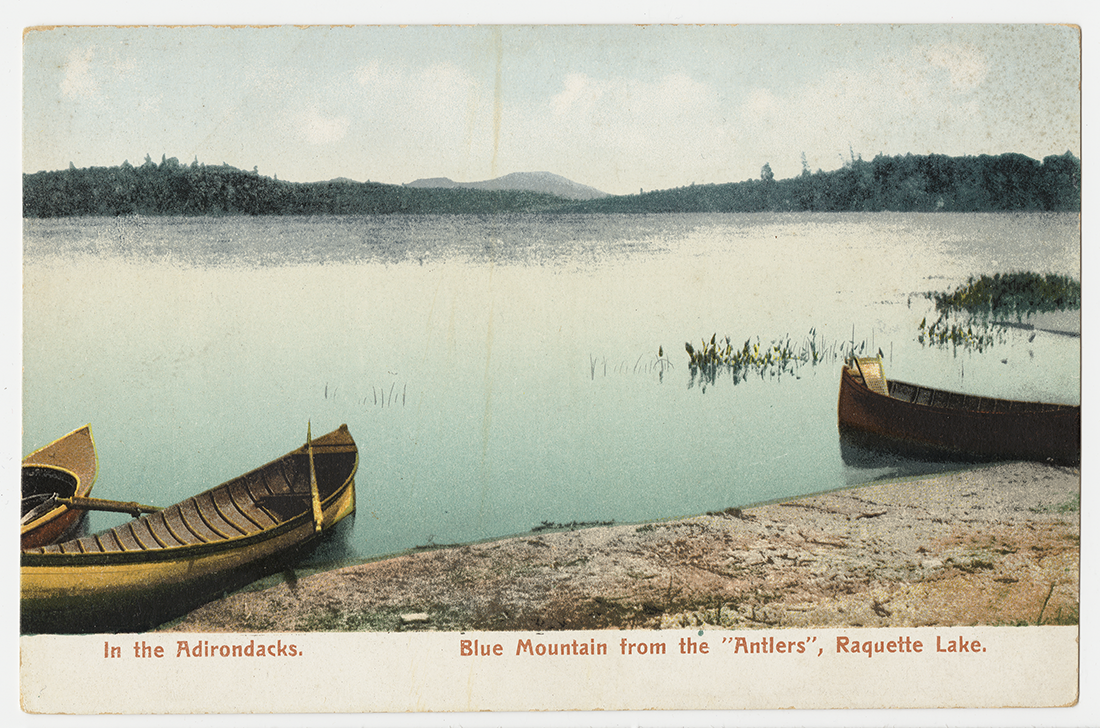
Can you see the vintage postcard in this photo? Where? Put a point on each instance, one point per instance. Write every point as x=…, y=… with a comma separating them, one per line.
x=514, y=368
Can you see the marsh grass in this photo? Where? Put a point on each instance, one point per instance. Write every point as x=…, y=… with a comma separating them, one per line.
x=971, y=335
x=783, y=356
x=380, y=396
x=966, y=314
x=1017, y=294
x=642, y=365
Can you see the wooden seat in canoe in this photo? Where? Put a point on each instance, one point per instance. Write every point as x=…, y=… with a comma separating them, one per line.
x=870, y=368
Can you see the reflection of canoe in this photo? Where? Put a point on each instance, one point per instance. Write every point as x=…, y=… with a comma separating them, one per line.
x=159, y=566
x=912, y=419
x=65, y=468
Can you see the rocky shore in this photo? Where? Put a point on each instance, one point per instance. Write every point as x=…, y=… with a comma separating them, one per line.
x=995, y=545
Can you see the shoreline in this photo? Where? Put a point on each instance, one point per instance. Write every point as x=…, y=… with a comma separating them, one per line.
x=992, y=545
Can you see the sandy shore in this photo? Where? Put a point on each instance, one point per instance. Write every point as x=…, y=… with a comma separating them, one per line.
x=998, y=545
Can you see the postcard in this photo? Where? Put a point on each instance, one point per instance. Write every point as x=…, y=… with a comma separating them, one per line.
x=523, y=368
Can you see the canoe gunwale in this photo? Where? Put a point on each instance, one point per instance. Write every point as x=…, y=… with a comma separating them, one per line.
x=1014, y=406
x=1009, y=406
x=174, y=553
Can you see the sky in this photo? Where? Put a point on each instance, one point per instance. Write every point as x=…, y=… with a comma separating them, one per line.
x=618, y=107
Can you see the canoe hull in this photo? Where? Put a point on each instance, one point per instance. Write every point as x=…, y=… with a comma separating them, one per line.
x=951, y=426
x=70, y=461
x=66, y=588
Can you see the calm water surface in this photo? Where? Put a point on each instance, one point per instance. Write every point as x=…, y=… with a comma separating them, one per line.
x=499, y=372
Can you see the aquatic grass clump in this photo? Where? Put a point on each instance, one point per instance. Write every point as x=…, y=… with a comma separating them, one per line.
x=776, y=358
x=1012, y=293
x=941, y=333
x=779, y=357
x=1001, y=296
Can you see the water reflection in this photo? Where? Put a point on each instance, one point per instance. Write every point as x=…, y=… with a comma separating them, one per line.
x=867, y=459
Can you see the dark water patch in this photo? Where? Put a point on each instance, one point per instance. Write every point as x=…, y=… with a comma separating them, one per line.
x=1033, y=328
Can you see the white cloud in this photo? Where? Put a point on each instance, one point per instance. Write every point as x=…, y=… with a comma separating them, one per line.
x=149, y=105
x=578, y=97
x=905, y=104
x=761, y=103
x=436, y=99
x=679, y=94
x=78, y=80
x=964, y=62
x=369, y=74
x=644, y=107
x=319, y=129
x=606, y=131
x=434, y=83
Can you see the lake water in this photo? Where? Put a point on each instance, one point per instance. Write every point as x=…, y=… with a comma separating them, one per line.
x=500, y=372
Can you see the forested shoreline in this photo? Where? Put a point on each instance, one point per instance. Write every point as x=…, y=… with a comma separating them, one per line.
x=908, y=183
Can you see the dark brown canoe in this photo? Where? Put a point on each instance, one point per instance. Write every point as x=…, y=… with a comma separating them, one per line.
x=65, y=468
x=912, y=419
x=161, y=565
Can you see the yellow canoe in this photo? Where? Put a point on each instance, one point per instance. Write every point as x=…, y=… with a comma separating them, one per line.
x=66, y=468
x=159, y=566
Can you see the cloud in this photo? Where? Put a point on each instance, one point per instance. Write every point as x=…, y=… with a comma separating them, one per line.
x=439, y=83
x=433, y=101
x=679, y=94
x=605, y=130
x=78, y=81
x=635, y=105
x=909, y=103
x=369, y=74
x=320, y=129
x=761, y=103
x=578, y=97
x=437, y=106
x=964, y=62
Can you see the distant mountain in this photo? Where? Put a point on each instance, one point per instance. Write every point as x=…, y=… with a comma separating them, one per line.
x=545, y=182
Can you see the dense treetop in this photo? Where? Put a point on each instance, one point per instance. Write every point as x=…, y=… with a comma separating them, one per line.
x=1007, y=182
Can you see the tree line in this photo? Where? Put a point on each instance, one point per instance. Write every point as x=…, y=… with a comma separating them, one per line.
x=170, y=188
x=909, y=183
